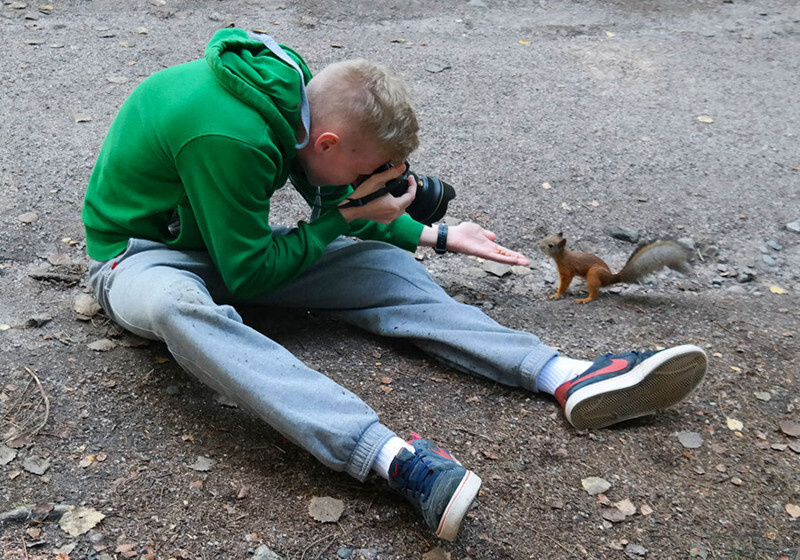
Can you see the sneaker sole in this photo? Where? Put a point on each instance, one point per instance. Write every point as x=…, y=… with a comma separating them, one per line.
x=458, y=506
x=659, y=382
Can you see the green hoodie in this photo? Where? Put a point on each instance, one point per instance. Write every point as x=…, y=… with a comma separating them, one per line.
x=208, y=143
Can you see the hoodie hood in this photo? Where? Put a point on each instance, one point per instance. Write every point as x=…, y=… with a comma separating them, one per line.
x=251, y=72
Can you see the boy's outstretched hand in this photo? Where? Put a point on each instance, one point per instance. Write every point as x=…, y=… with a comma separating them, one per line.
x=471, y=239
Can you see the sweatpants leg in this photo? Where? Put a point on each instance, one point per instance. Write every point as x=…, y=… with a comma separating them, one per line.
x=384, y=290
x=164, y=294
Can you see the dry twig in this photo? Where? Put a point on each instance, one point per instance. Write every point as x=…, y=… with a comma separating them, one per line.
x=23, y=429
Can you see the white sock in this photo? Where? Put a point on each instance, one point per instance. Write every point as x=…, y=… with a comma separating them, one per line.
x=557, y=371
x=387, y=454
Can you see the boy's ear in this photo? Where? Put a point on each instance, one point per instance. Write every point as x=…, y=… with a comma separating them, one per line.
x=326, y=141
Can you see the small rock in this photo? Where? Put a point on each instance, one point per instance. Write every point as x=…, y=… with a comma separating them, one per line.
x=263, y=552
x=63, y=551
x=473, y=272
x=635, y=551
x=496, y=268
x=623, y=234
x=344, y=552
x=774, y=245
x=28, y=217
x=203, y=464
x=690, y=440
x=518, y=270
x=745, y=276
x=595, y=485
x=7, y=454
x=613, y=515
x=790, y=428
x=688, y=242
x=769, y=261
x=794, y=226
x=763, y=395
x=37, y=321
x=36, y=465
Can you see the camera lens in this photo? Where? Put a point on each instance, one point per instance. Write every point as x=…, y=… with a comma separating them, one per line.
x=433, y=195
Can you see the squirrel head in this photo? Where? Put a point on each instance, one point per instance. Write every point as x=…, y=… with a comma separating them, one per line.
x=554, y=245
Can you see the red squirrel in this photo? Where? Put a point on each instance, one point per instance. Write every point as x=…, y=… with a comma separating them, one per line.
x=646, y=259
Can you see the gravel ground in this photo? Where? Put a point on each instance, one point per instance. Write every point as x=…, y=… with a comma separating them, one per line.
x=676, y=118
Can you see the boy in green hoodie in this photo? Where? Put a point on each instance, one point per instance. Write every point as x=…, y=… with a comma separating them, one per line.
x=178, y=231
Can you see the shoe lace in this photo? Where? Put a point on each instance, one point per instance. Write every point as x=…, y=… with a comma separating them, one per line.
x=422, y=473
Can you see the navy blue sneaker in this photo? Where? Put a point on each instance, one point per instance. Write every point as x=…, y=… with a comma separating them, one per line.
x=625, y=386
x=436, y=484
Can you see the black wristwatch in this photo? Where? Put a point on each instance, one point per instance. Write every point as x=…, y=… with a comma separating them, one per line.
x=441, y=240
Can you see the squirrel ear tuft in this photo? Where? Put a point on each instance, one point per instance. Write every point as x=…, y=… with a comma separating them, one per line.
x=560, y=234
x=562, y=242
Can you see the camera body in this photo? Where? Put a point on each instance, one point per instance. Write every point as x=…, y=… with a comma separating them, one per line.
x=433, y=194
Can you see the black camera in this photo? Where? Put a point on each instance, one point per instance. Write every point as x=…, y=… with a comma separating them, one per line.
x=433, y=194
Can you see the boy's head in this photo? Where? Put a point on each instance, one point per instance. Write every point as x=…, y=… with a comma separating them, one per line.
x=361, y=117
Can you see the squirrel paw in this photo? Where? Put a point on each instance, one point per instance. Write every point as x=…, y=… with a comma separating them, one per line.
x=554, y=296
x=585, y=300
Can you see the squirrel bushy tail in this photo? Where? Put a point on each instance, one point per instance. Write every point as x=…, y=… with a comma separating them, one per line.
x=651, y=257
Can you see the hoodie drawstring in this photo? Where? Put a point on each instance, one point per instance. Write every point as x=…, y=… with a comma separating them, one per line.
x=305, y=113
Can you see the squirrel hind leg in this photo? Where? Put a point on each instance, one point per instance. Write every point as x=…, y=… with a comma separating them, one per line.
x=594, y=292
x=594, y=279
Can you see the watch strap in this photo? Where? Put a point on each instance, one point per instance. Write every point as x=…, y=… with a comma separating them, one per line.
x=441, y=240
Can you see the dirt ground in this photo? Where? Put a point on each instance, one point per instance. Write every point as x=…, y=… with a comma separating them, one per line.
x=676, y=118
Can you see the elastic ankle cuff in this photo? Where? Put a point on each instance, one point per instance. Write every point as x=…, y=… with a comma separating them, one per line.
x=359, y=466
x=532, y=365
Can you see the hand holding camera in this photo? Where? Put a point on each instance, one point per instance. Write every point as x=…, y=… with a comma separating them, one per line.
x=369, y=200
x=429, y=202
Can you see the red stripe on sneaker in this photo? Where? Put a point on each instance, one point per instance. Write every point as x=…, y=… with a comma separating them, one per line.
x=617, y=364
x=453, y=500
x=441, y=453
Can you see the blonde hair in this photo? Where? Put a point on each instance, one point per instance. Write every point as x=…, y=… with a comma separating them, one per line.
x=369, y=99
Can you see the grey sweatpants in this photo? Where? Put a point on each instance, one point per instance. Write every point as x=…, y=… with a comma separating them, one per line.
x=178, y=297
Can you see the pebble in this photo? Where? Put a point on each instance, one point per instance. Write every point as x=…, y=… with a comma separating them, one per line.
x=623, y=234
x=794, y=226
x=263, y=552
x=496, y=268
x=344, y=552
x=35, y=465
x=769, y=261
x=774, y=245
x=635, y=551
x=690, y=440
x=745, y=276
